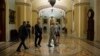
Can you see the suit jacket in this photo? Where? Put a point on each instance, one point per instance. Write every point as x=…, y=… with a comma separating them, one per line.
x=38, y=30
x=28, y=26
x=23, y=33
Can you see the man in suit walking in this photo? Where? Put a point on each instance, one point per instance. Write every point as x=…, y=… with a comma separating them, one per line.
x=38, y=34
x=23, y=34
x=28, y=28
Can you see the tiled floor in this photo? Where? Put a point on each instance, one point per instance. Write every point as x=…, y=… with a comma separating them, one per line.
x=69, y=46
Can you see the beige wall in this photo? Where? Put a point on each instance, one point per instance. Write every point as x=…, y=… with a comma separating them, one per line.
x=80, y=18
x=97, y=20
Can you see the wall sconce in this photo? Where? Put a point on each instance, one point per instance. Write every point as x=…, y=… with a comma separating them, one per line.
x=52, y=2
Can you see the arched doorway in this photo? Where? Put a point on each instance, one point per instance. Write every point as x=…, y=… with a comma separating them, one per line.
x=2, y=20
x=49, y=15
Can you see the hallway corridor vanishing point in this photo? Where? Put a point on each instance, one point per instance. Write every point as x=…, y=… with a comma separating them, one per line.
x=69, y=46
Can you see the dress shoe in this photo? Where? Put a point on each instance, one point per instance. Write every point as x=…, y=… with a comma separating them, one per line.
x=39, y=45
x=56, y=45
x=18, y=50
x=36, y=46
x=26, y=48
x=49, y=46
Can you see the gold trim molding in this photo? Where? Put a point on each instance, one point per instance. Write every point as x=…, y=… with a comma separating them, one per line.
x=35, y=11
x=80, y=4
x=22, y=3
x=68, y=11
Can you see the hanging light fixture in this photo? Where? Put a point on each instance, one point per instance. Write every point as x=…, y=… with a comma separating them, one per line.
x=52, y=2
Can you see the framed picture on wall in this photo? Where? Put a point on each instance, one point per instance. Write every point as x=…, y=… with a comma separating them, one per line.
x=11, y=16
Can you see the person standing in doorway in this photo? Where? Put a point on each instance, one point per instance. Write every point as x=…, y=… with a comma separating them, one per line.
x=90, y=29
x=28, y=28
x=23, y=34
x=38, y=34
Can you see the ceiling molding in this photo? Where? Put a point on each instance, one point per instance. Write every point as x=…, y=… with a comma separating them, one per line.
x=23, y=3
x=61, y=7
x=80, y=4
x=48, y=6
x=43, y=7
x=68, y=11
x=35, y=11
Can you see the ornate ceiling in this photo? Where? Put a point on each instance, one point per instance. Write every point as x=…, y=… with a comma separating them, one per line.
x=41, y=4
x=64, y=5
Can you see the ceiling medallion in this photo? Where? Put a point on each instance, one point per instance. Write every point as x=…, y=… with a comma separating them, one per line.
x=52, y=2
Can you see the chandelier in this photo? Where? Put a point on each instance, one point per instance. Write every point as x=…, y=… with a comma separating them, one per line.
x=52, y=2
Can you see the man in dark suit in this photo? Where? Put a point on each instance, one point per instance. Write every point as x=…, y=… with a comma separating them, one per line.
x=28, y=28
x=38, y=34
x=23, y=34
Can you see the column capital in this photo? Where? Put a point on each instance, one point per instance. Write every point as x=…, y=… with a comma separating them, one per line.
x=35, y=11
x=68, y=11
x=80, y=4
x=23, y=3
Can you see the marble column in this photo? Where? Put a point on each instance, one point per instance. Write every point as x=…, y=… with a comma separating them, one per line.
x=69, y=21
x=35, y=17
x=80, y=18
x=23, y=13
x=29, y=14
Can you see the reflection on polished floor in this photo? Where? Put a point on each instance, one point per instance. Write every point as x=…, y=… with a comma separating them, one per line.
x=69, y=46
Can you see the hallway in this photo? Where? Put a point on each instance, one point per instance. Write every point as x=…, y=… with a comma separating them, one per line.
x=69, y=46
x=79, y=24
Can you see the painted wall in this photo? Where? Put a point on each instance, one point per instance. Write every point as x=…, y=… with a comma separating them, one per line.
x=12, y=7
x=91, y=3
x=97, y=20
x=12, y=4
